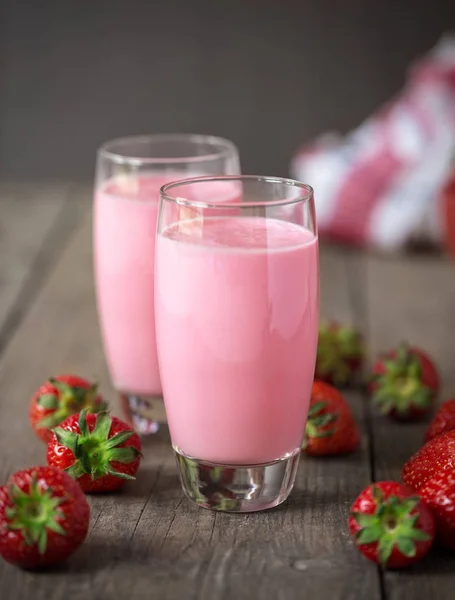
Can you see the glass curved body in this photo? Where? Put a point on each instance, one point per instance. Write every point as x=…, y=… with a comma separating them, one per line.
x=129, y=174
x=236, y=305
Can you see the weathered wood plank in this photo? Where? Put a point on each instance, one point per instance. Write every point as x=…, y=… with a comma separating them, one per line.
x=149, y=540
x=36, y=219
x=412, y=299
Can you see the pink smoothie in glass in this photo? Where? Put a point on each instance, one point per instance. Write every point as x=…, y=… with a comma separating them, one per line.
x=237, y=318
x=125, y=215
x=126, y=211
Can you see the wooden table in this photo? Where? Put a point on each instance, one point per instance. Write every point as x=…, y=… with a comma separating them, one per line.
x=149, y=542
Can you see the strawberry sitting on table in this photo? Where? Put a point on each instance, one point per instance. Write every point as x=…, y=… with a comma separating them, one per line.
x=60, y=397
x=404, y=383
x=99, y=451
x=44, y=517
x=390, y=525
x=330, y=428
x=340, y=354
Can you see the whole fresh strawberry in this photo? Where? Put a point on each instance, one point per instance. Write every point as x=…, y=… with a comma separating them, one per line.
x=435, y=457
x=390, y=525
x=340, y=354
x=44, y=517
x=439, y=494
x=97, y=450
x=443, y=421
x=59, y=398
x=330, y=427
x=404, y=383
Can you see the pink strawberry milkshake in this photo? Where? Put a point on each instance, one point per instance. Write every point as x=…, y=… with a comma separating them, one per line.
x=236, y=301
x=125, y=216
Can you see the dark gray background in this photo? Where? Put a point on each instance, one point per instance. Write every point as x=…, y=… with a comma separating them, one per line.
x=268, y=74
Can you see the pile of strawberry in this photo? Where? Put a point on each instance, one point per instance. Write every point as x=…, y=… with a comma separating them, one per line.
x=391, y=523
x=44, y=514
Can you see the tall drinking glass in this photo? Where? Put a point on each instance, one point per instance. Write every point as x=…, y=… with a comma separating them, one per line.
x=129, y=174
x=236, y=305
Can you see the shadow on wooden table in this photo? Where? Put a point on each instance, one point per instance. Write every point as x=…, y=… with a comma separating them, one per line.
x=438, y=562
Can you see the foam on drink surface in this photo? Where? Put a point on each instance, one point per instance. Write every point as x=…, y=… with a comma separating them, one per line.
x=255, y=233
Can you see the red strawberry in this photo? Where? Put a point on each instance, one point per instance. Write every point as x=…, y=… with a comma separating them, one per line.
x=44, y=517
x=439, y=494
x=390, y=525
x=404, y=383
x=443, y=421
x=330, y=428
x=432, y=459
x=59, y=398
x=340, y=354
x=99, y=451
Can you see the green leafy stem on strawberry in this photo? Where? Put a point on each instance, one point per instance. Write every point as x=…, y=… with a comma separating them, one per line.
x=316, y=426
x=34, y=514
x=394, y=523
x=339, y=354
x=95, y=451
x=68, y=400
x=397, y=384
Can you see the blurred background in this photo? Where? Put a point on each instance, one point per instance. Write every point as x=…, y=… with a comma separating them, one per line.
x=269, y=75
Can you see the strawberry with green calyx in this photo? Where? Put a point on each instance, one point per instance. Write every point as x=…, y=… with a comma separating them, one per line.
x=390, y=525
x=44, y=517
x=59, y=398
x=340, y=354
x=330, y=428
x=404, y=383
x=99, y=451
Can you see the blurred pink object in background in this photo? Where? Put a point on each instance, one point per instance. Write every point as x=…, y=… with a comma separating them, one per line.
x=381, y=185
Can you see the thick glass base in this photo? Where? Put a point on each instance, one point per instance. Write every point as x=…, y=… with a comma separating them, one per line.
x=237, y=488
x=145, y=413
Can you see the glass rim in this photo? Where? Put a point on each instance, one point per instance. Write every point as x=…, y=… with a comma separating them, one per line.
x=305, y=197
x=226, y=148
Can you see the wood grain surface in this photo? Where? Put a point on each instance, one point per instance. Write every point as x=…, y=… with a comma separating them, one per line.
x=34, y=224
x=150, y=542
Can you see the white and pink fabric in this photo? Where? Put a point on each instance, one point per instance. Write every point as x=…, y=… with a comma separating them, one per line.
x=379, y=186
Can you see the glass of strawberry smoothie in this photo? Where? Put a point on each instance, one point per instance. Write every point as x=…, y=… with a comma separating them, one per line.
x=236, y=311
x=130, y=172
